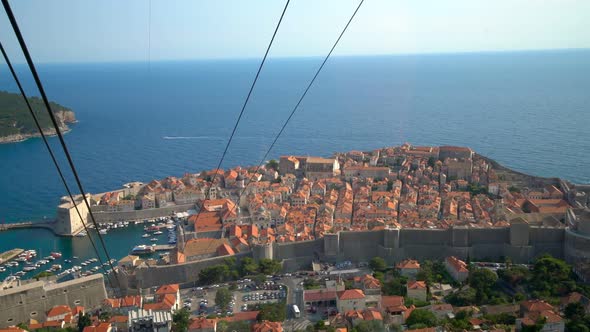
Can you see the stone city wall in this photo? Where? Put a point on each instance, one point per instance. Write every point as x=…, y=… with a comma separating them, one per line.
x=33, y=300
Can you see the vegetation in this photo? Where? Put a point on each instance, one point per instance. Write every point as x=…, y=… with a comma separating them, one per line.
x=421, y=317
x=311, y=283
x=223, y=297
x=43, y=274
x=378, y=264
x=475, y=189
x=368, y=326
x=434, y=271
x=274, y=312
x=240, y=326
x=273, y=164
x=83, y=321
x=483, y=281
x=551, y=277
x=513, y=189
x=181, y=320
x=231, y=270
x=16, y=119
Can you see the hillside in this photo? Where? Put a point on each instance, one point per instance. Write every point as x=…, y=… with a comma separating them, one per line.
x=16, y=124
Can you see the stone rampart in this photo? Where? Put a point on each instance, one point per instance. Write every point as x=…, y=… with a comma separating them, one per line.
x=103, y=217
x=33, y=300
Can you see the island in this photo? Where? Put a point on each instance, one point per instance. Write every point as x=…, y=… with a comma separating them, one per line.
x=17, y=124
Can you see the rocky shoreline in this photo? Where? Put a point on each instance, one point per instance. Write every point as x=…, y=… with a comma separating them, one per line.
x=63, y=118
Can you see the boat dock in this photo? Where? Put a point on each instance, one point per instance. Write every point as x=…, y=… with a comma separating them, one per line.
x=10, y=254
x=164, y=247
x=28, y=224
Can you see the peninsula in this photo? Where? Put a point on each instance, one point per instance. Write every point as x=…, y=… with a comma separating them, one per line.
x=17, y=125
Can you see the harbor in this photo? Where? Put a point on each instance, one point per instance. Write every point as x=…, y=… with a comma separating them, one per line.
x=67, y=257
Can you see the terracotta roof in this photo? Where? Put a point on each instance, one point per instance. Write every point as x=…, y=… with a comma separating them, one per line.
x=102, y=327
x=316, y=295
x=168, y=289
x=59, y=310
x=266, y=326
x=119, y=319
x=224, y=250
x=245, y=316
x=372, y=314
x=351, y=294
x=457, y=264
x=408, y=264
x=416, y=285
x=536, y=305
x=202, y=323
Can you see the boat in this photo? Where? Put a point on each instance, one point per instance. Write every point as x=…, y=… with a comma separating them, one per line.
x=56, y=254
x=142, y=249
x=81, y=234
x=67, y=261
x=75, y=257
x=56, y=267
x=172, y=241
x=83, y=263
x=153, y=239
x=158, y=233
x=145, y=235
x=29, y=268
x=2, y=269
x=103, y=231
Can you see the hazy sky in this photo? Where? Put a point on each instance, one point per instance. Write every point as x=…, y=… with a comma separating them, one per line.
x=117, y=30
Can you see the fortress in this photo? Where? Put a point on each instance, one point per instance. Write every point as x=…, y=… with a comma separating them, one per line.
x=521, y=242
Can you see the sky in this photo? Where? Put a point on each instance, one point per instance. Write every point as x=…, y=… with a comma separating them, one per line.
x=69, y=31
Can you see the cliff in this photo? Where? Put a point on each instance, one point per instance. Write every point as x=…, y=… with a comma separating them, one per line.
x=17, y=124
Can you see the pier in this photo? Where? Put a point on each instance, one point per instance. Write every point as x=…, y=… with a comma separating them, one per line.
x=28, y=224
x=164, y=247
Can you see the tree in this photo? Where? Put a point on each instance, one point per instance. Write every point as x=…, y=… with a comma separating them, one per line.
x=83, y=321
x=369, y=326
x=223, y=297
x=213, y=274
x=378, y=264
x=274, y=312
x=574, y=311
x=43, y=275
x=431, y=161
x=311, y=283
x=421, y=316
x=180, y=320
x=482, y=280
x=551, y=277
x=239, y=326
x=269, y=266
x=394, y=287
x=273, y=164
x=248, y=266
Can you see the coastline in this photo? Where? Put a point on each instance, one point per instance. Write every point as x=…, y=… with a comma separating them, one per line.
x=18, y=138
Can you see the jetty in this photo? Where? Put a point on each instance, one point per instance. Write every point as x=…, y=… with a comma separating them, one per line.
x=10, y=254
x=28, y=224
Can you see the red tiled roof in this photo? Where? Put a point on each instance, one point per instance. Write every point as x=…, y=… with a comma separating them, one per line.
x=351, y=294
x=202, y=323
x=408, y=264
x=59, y=310
x=168, y=289
x=319, y=295
x=245, y=316
x=416, y=285
x=266, y=326
x=102, y=327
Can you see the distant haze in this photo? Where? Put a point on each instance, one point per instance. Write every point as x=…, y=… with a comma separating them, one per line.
x=114, y=30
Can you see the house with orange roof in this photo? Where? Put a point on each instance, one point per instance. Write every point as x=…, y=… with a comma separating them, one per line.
x=408, y=268
x=170, y=294
x=12, y=329
x=394, y=309
x=350, y=299
x=124, y=304
x=553, y=322
x=102, y=327
x=457, y=268
x=202, y=324
x=59, y=313
x=119, y=322
x=417, y=290
x=266, y=326
x=225, y=250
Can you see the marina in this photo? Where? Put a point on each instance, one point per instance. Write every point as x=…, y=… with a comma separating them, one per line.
x=65, y=256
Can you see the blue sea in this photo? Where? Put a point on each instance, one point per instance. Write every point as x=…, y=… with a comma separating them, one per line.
x=139, y=121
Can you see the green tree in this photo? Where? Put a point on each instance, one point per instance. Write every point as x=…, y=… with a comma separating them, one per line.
x=369, y=326
x=180, y=320
x=311, y=283
x=248, y=266
x=83, y=321
x=574, y=311
x=273, y=164
x=378, y=264
x=223, y=297
x=482, y=280
x=214, y=274
x=394, y=287
x=239, y=326
x=421, y=316
x=269, y=266
x=43, y=275
x=551, y=277
x=274, y=312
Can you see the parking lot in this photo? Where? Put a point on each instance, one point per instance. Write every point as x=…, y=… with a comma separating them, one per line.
x=201, y=301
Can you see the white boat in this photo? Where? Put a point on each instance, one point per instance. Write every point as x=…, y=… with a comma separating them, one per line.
x=158, y=232
x=103, y=231
x=29, y=268
x=145, y=235
x=153, y=239
x=142, y=249
x=81, y=234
